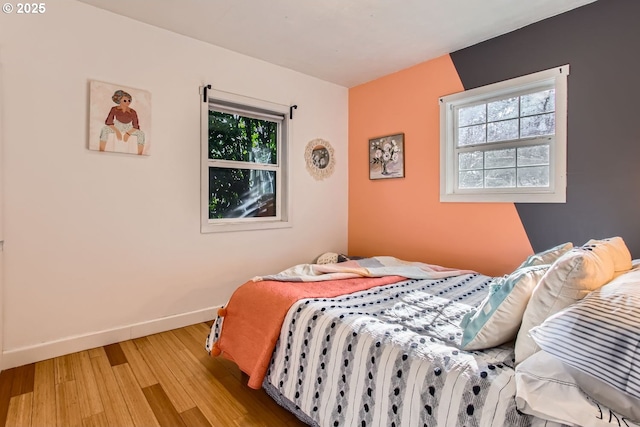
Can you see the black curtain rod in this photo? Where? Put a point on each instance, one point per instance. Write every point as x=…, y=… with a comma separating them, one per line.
x=204, y=96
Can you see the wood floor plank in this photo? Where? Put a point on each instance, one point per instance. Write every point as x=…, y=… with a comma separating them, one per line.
x=23, y=380
x=193, y=341
x=185, y=357
x=67, y=407
x=64, y=370
x=44, y=394
x=195, y=344
x=96, y=352
x=196, y=347
x=96, y=420
x=85, y=389
x=20, y=410
x=115, y=354
x=160, y=346
x=255, y=401
x=112, y=400
x=6, y=383
x=260, y=402
x=259, y=407
x=163, y=408
x=206, y=400
x=198, y=333
x=201, y=329
x=178, y=396
x=195, y=418
x=139, y=408
x=88, y=394
x=140, y=369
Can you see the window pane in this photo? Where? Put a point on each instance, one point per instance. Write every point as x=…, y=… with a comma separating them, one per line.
x=241, y=193
x=544, y=124
x=470, y=179
x=533, y=156
x=472, y=115
x=472, y=135
x=240, y=138
x=503, y=109
x=537, y=176
x=471, y=160
x=500, y=178
x=502, y=131
x=500, y=158
x=506, y=141
x=538, y=103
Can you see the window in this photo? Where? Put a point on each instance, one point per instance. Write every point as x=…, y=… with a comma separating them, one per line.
x=506, y=142
x=244, y=179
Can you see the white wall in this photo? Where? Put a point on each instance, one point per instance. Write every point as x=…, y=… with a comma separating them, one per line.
x=2, y=168
x=99, y=246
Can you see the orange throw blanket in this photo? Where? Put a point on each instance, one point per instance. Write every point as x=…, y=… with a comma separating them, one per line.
x=255, y=313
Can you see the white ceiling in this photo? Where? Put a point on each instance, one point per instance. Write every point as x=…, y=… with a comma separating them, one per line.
x=347, y=42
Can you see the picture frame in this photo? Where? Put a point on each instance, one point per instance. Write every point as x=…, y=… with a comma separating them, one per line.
x=386, y=157
x=119, y=119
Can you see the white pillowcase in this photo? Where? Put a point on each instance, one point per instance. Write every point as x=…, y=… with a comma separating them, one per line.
x=498, y=317
x=618, y=250
x=548, y=256
x=569, y=279
x=600, y=335
x=547, y=389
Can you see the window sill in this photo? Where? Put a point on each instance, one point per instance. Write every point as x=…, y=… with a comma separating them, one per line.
x=504, y=198
x=245, y=226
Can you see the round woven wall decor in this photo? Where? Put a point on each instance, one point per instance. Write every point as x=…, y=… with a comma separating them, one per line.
x=320, y=158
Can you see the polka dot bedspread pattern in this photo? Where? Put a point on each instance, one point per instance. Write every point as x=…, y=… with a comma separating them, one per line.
x=391, y=356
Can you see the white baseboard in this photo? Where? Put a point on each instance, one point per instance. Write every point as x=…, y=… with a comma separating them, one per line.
x=35, y=353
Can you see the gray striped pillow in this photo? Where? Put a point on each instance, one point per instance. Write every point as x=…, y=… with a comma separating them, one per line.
x=600, y=335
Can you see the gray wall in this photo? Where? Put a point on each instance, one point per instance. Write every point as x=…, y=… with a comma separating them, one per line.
x=600, y=41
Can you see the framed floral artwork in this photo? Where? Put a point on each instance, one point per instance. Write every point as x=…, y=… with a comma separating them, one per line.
x=119, y=119
x=386, y=157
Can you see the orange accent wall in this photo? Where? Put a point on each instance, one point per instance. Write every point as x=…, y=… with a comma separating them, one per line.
x=403, y=217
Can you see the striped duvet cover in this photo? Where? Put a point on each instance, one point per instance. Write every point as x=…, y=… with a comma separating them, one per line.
x=390, y=356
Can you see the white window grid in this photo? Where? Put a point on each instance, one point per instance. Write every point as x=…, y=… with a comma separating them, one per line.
x=450, y=190
x=248, y=107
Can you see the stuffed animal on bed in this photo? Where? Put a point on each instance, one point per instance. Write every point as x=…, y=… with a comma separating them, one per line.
x=330, y=258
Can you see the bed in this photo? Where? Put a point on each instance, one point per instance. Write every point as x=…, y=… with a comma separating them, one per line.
x=379, y=342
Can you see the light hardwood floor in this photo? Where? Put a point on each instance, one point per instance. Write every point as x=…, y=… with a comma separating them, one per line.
x=162, y=380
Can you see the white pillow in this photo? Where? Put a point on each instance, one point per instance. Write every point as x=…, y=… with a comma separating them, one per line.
x=548, y=256
x=546, y=389
x=600, y=335
x=498, y=317
x=569, y=279
x=619, y=252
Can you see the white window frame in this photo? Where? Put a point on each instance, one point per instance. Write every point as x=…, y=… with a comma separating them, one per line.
x=556, y=192
x=248, y=107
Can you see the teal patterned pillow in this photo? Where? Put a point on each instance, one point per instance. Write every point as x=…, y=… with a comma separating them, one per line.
x=547, y=257
x=497, y=318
